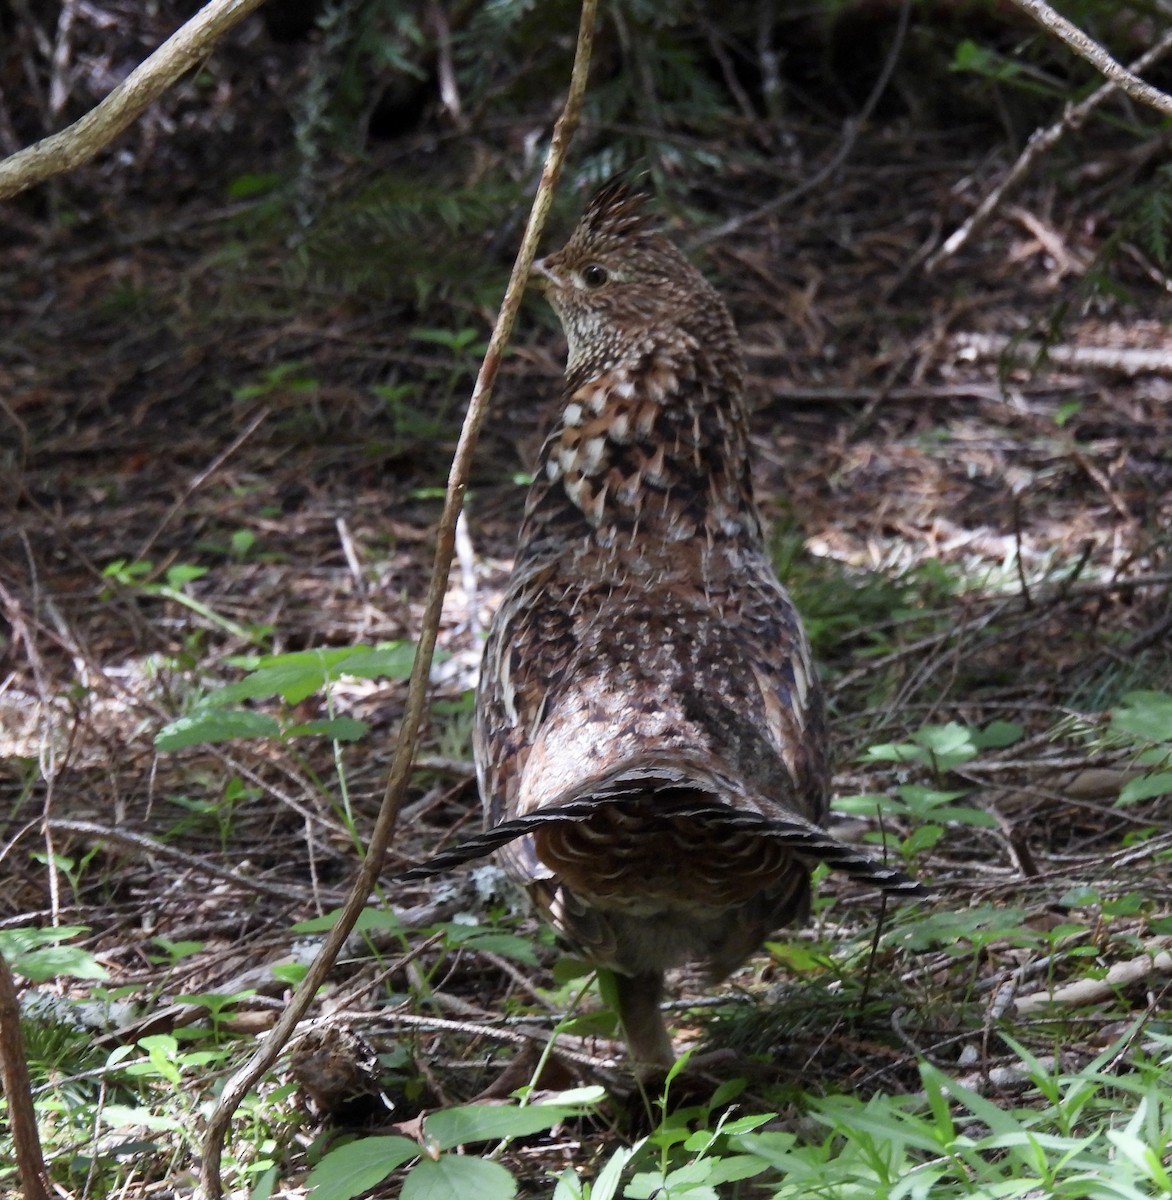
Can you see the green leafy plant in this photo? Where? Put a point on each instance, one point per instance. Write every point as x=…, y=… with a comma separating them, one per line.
x=291, y=678
x=137, y=576
x=1143, y=720
x=41, y=954
x=437, y=1173
x=287, y=377
x=926, y=810
x=1096, y=1133
x=216, y=810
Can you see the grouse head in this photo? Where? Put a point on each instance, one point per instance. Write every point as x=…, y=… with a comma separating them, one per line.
x=621, y=290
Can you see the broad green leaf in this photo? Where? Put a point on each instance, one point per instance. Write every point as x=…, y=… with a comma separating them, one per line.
x=866, y=805
x=340, y=729
x=647, y=1184
x=369, y=918
x=590, y=1093
x=997, y=734
x=606, y=1186
x=726, y=1093
x=182, y=573
x=958, y=932
x=356, y=1167
x=569, y=1187
x=456, y=1177
x=392, y=661
x=693, y=1180
x=508, y=945
x=14, y=942
x=950, y=745
x=293, y=677
x=922, y=838
x=50, y=962
x=490, y=1122
x=216, y=725
x=746, y=1124
x=292, y=973
x=773, y=1147
x=898, y=752
x=123, y=1116
x=299, y=674
x=602, y=1023
x=1145, y=715
x=1147, y=786
x=730, y=1168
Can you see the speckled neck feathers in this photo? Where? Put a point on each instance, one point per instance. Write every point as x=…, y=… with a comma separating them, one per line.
x=653, y=436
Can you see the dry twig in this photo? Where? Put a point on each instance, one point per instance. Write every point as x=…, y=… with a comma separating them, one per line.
x=1091, y=991
x=1041, y=140
x=1086, y=47
x=401, y=765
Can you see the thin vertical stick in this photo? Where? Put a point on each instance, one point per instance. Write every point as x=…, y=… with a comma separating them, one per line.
x=400, y=772
x=22, y=1117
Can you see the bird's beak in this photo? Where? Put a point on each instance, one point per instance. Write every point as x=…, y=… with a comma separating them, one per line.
x=540, y=275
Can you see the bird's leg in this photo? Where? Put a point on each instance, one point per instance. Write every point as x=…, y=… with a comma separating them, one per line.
x=643, y=1026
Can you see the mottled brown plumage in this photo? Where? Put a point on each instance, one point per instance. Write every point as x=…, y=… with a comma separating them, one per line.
x=650, y=739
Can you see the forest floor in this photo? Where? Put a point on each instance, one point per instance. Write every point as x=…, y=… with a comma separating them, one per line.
x=976, y=531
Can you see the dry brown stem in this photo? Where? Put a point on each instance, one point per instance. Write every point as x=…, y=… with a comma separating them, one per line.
x=401, y=764
x=146, y=83
x=14, y=1072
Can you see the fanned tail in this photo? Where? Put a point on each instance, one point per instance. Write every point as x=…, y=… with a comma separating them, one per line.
x=802, y=838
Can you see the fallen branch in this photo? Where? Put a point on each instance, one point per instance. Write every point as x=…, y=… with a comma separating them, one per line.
x=1092, y=991
x=83, y=139
x=400, y=772
x=1124, y=360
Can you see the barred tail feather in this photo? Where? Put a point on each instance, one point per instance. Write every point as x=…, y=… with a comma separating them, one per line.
x=802, y=838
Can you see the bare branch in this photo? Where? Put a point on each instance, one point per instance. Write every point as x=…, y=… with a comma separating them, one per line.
x=1085, y=46
x=146, y=83
x=1041, y=140
x=401, y=764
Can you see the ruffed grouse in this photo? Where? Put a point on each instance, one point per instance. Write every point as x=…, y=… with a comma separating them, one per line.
x=650, y=740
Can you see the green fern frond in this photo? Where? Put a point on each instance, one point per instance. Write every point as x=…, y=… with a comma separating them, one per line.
x=1153, y=216
x=409, y=239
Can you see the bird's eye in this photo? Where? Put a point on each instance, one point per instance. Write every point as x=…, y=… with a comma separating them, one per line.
x=594, y=276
